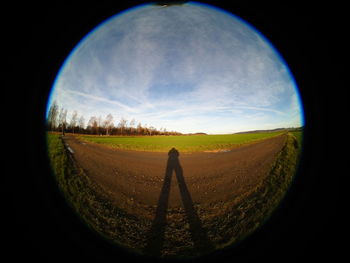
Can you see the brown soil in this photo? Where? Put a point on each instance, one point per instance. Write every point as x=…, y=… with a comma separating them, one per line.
x=134, y=180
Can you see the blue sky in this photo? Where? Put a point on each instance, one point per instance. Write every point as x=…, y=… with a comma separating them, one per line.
x=188, y=68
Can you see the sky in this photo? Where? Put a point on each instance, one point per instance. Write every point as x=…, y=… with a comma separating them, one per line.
x=189, y=68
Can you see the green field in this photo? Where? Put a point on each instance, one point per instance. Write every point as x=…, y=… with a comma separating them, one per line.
x=192, y=143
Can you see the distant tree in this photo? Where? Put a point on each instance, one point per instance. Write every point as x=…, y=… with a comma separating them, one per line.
x=81, y=123
x=132, y=126
x=62, y=120
x=108, y=124
x=122, y=125
x=57, y=120
x=92, y=125
x=151, y=130
x=74, y=120
x=139, y=129
x=99, y=125
x=145, y=130
x=52, y=116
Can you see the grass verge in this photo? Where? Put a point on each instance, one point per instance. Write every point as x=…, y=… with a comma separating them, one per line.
x=91, y=204
x=252, y=209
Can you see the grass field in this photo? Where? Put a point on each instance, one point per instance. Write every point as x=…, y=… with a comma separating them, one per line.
x=193, y=143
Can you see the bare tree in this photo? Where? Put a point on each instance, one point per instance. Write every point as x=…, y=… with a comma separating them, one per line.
x=92, y=125
x=151, y=130
x=81, y=123
x=132, y=126
x=108, y=123
x=56, y=120
x=122, y=124
x=73, y=120
x=52, y=116
x=145, y=130
x=99, y=125
x=62, y=119
x=139, y=128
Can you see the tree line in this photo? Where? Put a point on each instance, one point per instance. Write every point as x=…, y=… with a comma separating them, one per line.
x=57, y=121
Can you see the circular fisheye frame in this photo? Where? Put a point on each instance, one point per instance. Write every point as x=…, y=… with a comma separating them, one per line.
x=174, y=130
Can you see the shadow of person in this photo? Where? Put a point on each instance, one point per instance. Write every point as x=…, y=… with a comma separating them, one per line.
x=156, y=234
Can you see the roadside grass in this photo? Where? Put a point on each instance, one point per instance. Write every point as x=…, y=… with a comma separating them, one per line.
x=255, y=207
x=90, y=203
x=192, y=143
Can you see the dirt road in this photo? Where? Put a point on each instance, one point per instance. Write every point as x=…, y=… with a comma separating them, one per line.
x=135, y=179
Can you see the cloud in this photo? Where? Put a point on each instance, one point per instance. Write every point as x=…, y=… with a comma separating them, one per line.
x=100, y=99
x=262, y=109
x=188, y=68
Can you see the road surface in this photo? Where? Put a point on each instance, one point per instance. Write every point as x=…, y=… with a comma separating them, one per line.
x=135, y=179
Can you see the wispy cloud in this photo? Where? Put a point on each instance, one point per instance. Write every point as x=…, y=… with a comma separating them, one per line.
x=261, y=109
x=100, y=99
x=182, y=69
